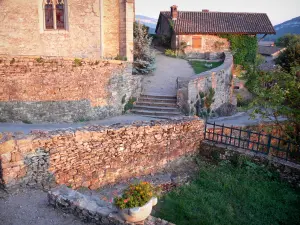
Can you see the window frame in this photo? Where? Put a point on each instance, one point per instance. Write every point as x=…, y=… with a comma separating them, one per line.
x=54, y=9
x=200, y=41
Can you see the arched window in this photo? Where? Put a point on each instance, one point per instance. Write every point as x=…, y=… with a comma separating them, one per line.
x=54, y=14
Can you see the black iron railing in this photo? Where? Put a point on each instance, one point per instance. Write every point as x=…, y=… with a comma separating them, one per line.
x=258, y=142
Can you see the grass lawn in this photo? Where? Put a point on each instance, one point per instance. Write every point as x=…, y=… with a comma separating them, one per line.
x=229, y=195
x=200, y=67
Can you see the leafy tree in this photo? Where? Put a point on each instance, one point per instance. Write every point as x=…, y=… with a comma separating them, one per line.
x=288, y=39
x=278, y=94
x=144, y=57
x=290, y=57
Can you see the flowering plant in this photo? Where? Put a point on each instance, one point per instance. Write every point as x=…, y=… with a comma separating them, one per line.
x=136, y=195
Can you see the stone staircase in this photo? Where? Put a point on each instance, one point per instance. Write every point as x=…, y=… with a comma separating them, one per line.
x=158, y=106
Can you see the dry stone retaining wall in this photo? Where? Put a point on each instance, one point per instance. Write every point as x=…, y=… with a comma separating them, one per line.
x=95, y=156
x=220, y=79
x=64, y=90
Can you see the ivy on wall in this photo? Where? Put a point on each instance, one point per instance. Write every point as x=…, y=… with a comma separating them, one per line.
x=243, y=47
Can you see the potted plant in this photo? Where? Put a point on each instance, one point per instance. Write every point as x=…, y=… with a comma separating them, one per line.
x=136, y=203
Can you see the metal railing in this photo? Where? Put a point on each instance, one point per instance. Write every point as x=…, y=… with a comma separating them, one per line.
x=258, y=142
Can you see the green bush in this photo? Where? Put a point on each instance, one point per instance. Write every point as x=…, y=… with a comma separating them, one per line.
x=170, y=52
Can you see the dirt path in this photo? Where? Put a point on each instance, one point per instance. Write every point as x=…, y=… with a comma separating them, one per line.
x=163, y=80
x=30, y=207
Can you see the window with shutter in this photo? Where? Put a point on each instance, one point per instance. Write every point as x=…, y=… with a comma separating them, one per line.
x=197, y=42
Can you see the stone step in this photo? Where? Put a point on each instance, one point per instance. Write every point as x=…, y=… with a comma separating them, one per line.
x=158, y=96
x=155, y=113
x=158, y=104
x=157, y=100
x=155, y=108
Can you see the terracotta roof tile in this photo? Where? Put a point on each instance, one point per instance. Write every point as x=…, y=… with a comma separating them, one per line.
x=221, y=22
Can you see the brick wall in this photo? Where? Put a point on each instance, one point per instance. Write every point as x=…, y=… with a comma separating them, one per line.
x=63, y=89
x=96, y=156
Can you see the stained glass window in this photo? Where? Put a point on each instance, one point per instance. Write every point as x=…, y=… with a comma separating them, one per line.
x=54, y=14
x=60, y=15
x=49, y=15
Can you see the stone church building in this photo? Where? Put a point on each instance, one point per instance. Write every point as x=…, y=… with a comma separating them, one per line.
x=67, y=28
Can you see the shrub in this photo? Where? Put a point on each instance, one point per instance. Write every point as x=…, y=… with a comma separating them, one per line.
x=170, y=52
x=144, y=57
x=136, y=195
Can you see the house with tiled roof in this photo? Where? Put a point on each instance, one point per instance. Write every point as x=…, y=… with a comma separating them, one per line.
x=201, y=31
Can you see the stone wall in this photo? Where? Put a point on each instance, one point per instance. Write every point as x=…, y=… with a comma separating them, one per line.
x=64, y=90
x=95, y=156
x=220, y=79
x=92, y=29
x=288, y=171
x=210, y=43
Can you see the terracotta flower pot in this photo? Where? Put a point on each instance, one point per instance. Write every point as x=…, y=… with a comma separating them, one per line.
x=138, y=214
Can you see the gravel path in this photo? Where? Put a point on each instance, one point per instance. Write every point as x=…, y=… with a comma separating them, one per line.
x=163, y=80
x=30, y=207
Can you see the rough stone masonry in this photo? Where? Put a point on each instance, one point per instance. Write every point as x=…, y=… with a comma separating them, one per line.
x=95, y=156
x=50, y=89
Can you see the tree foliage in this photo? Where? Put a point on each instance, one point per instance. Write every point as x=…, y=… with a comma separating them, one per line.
x=287, y=40
x=278, y=94
x=243, y=47
x=144, y=57
x=290, y=57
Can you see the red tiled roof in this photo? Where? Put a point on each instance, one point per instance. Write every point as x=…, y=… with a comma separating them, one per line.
x=221, y=22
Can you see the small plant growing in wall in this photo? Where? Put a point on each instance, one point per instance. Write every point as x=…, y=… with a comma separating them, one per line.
x=12, y=61
x=129, y=105
x=203, y=105
x=77, y=62
x=121, y=58
x=39, y=60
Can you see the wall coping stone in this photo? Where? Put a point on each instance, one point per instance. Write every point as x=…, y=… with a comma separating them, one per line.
x=8, y=136
x=34, y=57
